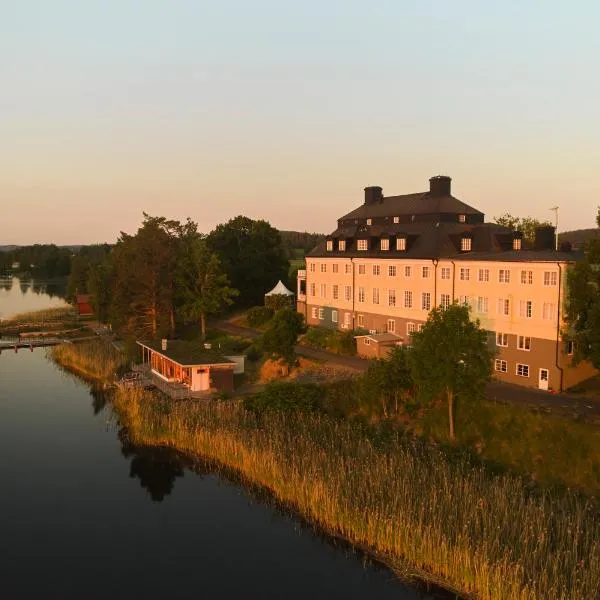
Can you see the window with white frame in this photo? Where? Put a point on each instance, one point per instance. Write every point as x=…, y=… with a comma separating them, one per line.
x=367, y=341
x=526, y=309
x=347, y=320
x=323, y=290
x=335, y=291
x=323, y=268
x=408, y=299
x=348, y=292
x=391, y=326
x=342, y=245
x=391, y=297
x=348, y=268
x=312, y=267
x=500, y=365
x=362, y=269
x=360, y=319
x=396, y=219
x=524, y=342
x=464, y=300
x=482, y=305
x=361, y=294
x=517, y=244
x=369, y=221
x=425, y=272
x=462, y=218
x=465, y=244
x=375, y=295
x=329, y=245
x=527, y=277
x=504, y=306
x=483, y=275
x=363, y=245
x=321, y=313
x=401, y=244
x=445, y=300
x=313, y=289
x=570, y=347
x=550, y=278
x=384, y=244
x=376, y=270
x=522, y=370
x=408, y=271
x=445, y=273
x=410, y=328
x=464, y=274
x=334, y=316
x=504, y=276
x=549, y=311
x=335, y=268
x=313, y=312
x=392, y=271
x=426, y=301
x=420, y=327
x=502, y=339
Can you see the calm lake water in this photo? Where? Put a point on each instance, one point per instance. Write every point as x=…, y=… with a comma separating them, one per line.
x=26, y=295
x=85, y=515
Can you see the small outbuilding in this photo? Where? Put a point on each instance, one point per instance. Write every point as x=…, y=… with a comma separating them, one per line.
x=83, y=304
x=279, y=297
x=377, y=345
x=190, y=366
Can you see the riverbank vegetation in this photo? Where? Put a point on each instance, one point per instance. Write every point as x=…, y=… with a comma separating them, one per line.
x=95, y=359
x=402, y=499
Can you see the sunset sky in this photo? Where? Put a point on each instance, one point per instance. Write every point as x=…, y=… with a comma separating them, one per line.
x=287, y=110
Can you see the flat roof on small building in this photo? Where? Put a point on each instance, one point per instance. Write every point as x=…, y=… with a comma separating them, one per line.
x=381, y=337
x=187, y=354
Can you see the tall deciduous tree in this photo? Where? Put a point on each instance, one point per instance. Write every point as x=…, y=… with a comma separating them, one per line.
x=281, y=336
x=450, y=356
x=252, y=256
x=526, y=225
x=202, y=286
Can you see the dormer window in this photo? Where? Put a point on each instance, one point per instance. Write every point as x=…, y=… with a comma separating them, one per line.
x=342, y=245
x=385, y=244
x=396, y=219
x=465, y=244
x=462, y=218
x=329, y=245
x=363, y=245
x=369, y=221
x=517, y=244
x=401, y=244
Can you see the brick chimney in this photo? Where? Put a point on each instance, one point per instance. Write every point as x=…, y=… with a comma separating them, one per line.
x=373, y=194
x=440, y=185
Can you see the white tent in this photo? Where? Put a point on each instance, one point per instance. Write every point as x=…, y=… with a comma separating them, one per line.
x=279, y=290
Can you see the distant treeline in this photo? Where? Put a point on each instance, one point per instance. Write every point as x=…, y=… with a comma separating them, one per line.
x=295, y=241
x=39, y=260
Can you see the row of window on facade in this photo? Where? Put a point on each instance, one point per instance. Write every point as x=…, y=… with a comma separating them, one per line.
x=362, y=245
x=319, y=313
x=479, y=303
x=501, y=366
x=524, y=343
x=550, y=278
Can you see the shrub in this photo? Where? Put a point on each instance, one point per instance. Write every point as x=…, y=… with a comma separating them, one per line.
x=254, y=352
x=279, y=302
x=286, y=397
x=318, y=337
x=259, y=315
x=332, y=340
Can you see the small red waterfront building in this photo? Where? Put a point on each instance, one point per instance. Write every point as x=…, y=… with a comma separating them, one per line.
x=83, y=304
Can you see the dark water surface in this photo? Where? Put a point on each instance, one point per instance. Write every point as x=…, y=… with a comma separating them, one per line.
x=85, y=515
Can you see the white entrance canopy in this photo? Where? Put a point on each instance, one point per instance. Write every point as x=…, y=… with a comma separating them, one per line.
x=279, y=290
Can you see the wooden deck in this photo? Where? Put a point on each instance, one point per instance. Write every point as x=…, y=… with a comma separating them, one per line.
x=176, y=391
x=16, y=342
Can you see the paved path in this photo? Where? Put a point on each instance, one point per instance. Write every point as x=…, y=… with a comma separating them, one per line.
x=567, y=403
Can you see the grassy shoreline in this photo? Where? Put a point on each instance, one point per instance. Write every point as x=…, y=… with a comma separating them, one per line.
x=405, y=502
x=480, y=535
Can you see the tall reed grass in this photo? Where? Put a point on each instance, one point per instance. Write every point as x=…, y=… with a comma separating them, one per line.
x=46, y=315
x=96, y=359
x=484, y=535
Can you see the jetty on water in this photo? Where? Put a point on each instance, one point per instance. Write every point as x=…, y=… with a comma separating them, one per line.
x=16, y=342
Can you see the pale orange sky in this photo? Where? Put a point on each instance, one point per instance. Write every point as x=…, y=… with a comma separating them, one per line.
x=214, y=111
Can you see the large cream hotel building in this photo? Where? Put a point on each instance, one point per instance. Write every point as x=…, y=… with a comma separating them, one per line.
x=394, y=258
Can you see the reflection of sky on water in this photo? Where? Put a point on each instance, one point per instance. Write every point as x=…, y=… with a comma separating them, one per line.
x=18, y=296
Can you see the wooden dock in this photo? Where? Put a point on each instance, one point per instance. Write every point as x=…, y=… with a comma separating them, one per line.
x=16, y=342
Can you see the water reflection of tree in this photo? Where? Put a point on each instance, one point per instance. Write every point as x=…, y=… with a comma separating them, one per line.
x=100, y=399
x=156, y=468
x=6, y=283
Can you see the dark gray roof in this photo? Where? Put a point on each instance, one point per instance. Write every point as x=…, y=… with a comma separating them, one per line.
x=187, y=354
x=412, y=204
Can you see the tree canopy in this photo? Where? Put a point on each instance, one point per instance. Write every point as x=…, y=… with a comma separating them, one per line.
x=251, y=255
x=450, y=356
x=526, y=225
x=281, y=336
